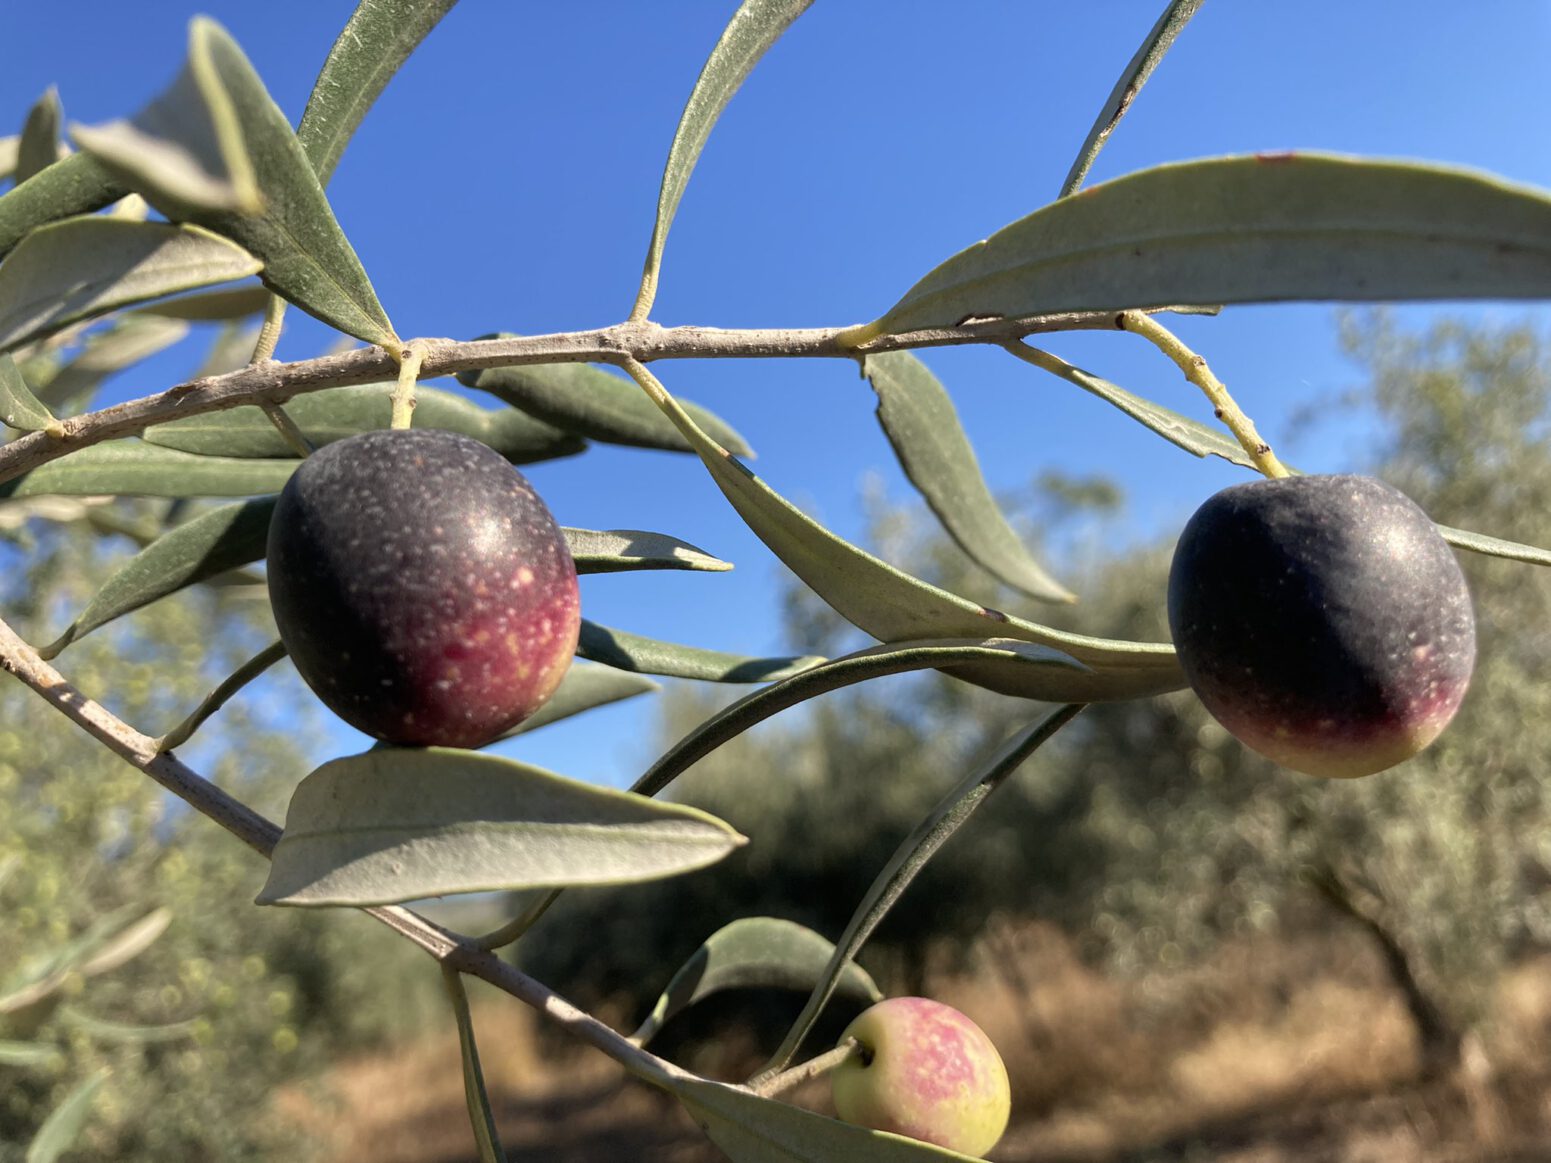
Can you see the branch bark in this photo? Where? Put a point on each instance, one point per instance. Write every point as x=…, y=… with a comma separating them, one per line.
x=275, y=383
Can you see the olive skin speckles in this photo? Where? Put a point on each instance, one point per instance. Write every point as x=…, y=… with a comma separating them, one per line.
x=1323, y=621
x=422, y=588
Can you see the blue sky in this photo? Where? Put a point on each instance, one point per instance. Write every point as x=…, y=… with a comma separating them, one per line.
x=507, y=180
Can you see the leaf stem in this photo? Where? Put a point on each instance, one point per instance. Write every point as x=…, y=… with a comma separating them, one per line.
x=410, y=357
x=269, y=334
x=287, y=428
x=1197, y=372
x=218, y=698
x=787, y=1080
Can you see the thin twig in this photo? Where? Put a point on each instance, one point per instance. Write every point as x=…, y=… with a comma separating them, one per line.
x=1197, y=372
x=812, y=1068
x=645, y=342
x=287, y=428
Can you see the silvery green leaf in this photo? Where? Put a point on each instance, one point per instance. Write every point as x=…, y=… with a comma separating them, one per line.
x=632, y=652
x=754, y=27
x=306, y=257
x=585, y=686
x=19, y=408
x=74, y=185
x=751, y=1129
x=39, y=145
x=126, y=342
x=596, y=404
x=1158, y=41
x=754, y=953
x=398, y=824
x=619, y=550
x=85, y=267
x=135, y=468
x=334, y=414
x=919, y=418
x=892, y=606
x=63, y=1125
x=1248, y=229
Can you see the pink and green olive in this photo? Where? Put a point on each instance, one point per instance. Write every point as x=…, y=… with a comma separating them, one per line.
x=421, y=587
x=924, y=1070
x=1323, y=621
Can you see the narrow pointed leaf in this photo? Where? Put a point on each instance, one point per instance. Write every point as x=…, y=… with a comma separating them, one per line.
x=1050, y=676
x=1249, y=229
x=125, y=944
x=30, y=1055
x=398, y=824
x=617, y=550
x=64, y=1123
x=377, y=39
x=1159, y=39
x=85, y=267
x=212, y=543
x=754, y=27
x=19, y=408
x=229, y=351
x=585, y=686
x=325, y=417
x=123, y=1034
x=918, y=416
x=71, y=186
x=39, y=145
x=306, y=256
x=914, y=852
x=486, y=1137
x=754, y=953
x=751, y=1129
x=596, y=404
x=187, y=144
x=222, y=694
x=135, y=468
x=631, y=652
x=894, y=607
x=237, y=303
x=1201, y=440
x=128, y=342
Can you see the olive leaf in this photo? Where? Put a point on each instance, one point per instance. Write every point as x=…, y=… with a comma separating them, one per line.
x=397, y=824
x=221, y=138
x=378, y=38
x=210, y=305
x=919, y=418
x=19, y=408
x=135, y=468
x=754, y=27
x=1248, y=229
x=631, y=652
x=325, y=417
x=39, y=145
x=212, y=543
x=586, y=685
x=892, y=606
x=617, y=550
x=597, y=404
x=753, y=953
x=85, y=267
x=1201, y=440
x=126, y=342
x=64, y=1123
x=486, y=1137
x=1158, y=42
x=74, y=185
x=753, y=1129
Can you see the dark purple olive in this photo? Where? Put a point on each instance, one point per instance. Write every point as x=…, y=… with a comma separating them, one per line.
x=1323, y=621
x=422, y=588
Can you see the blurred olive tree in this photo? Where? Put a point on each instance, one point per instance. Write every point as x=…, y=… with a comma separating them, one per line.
x=120, y=952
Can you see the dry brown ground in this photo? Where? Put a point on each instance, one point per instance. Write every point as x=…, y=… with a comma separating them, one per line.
x=1270, y=1053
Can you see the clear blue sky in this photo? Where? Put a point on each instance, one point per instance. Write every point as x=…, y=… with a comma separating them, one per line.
x=507, y=180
